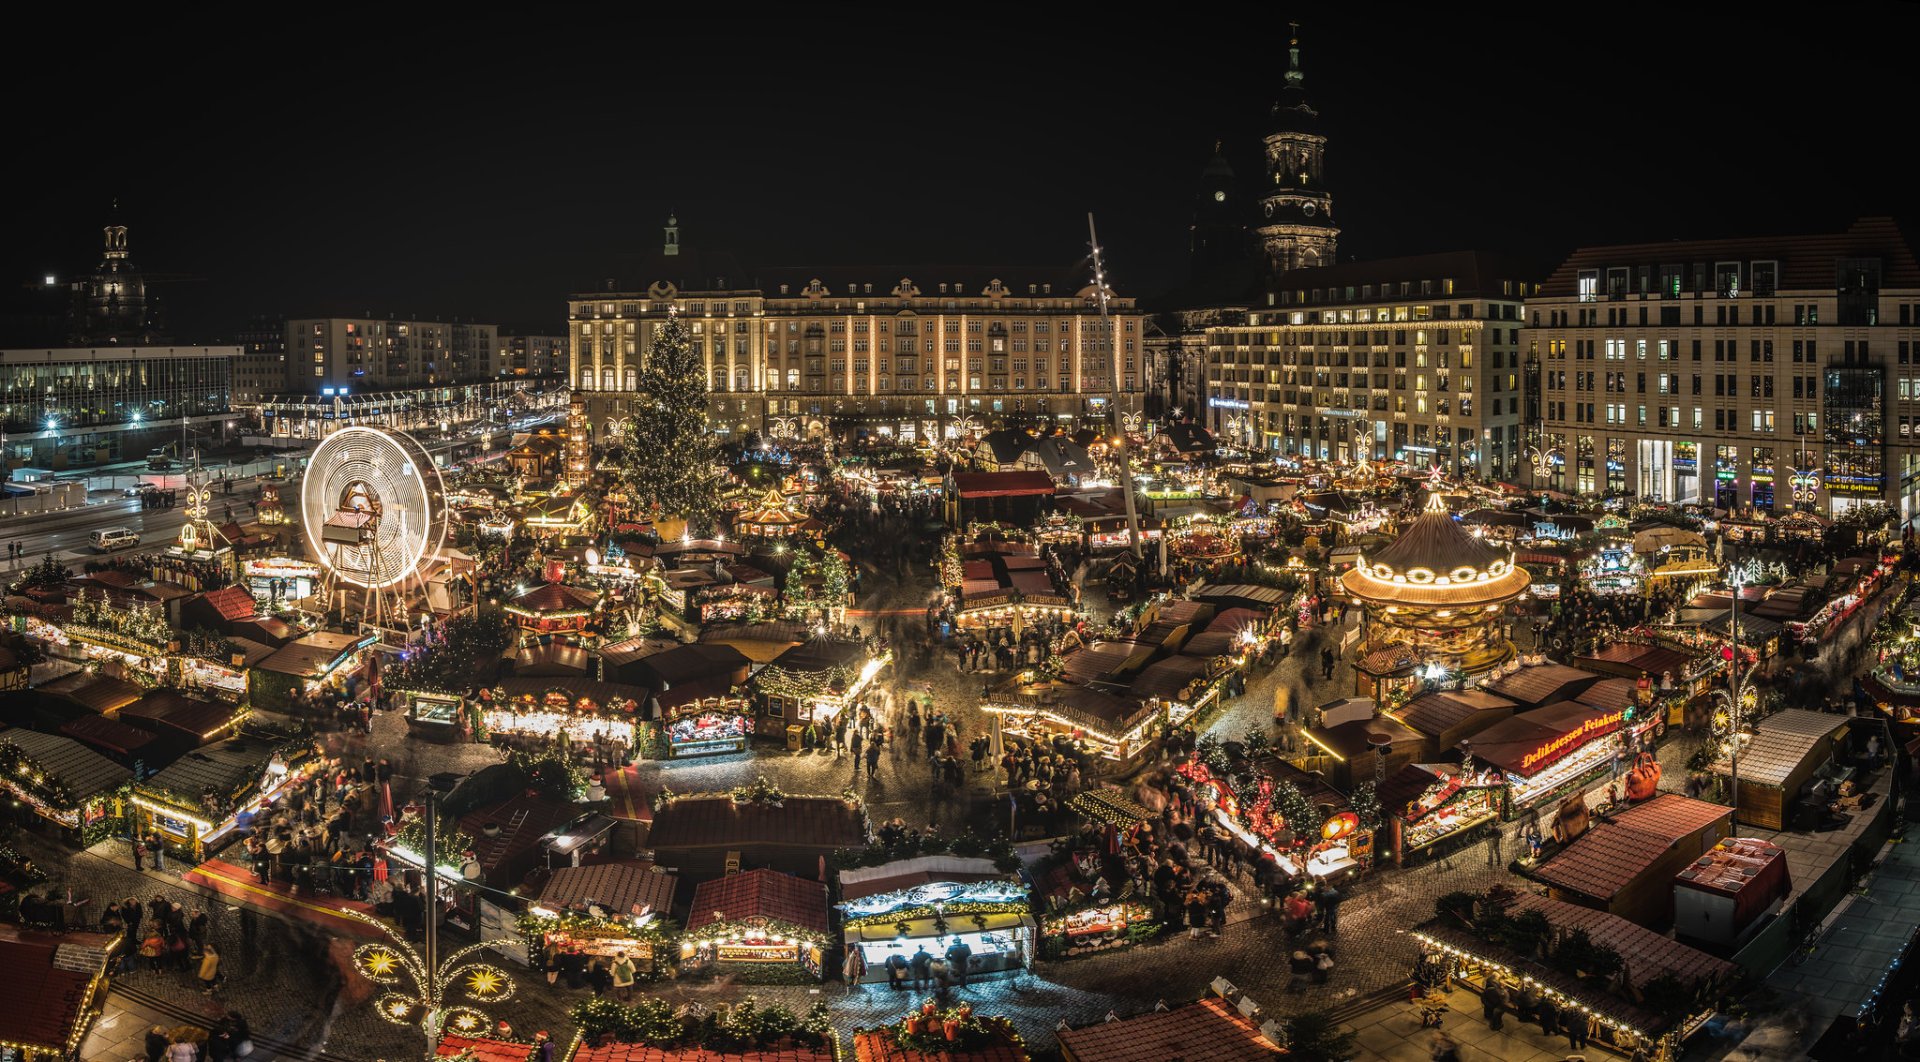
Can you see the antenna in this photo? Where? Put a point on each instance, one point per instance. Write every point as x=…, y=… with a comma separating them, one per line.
x=1113, y=390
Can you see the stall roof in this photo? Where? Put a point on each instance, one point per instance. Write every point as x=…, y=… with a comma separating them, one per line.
x=1648, y=954
x=85, y=773
x=648, y=1053
x=858, y=882
x=524, y=822
x=822, y=654
x=223, y=768
x=44, y=978
x=1536, y=684
x=1631, y=658
x=621, y=887
x=716, y=821
x=1102, y=660
x=553, y=660
x=879, y=1045
x=760, y=894
x=110, y=735
x=1405, y=785
x=1168, y=677
x=482, y=1049
x=98, y=693
x=230, y=603
x=690, y=663
x=1731, y=865
x=1211, y=1029
x=1507, y=743
x=626, y=652
x=312, y=655
x=1264, y=598
x=555, y=597
x=599, y=692
x=1611, y=695
x=1780, y=742
x=1350, y=739
x=1613, y=852
x=161, y=709
x=1003, y=484
x=252, y=652
x=1436, y=713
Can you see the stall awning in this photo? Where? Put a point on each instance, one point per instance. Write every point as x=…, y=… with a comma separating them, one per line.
x=924, y=927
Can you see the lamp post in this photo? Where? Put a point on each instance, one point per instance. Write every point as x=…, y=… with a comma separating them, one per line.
x=1737, y=576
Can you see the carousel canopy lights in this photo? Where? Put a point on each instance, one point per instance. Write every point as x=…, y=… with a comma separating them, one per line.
x=1438, y=562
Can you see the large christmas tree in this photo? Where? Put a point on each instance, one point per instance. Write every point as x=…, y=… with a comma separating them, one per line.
x=670, y=459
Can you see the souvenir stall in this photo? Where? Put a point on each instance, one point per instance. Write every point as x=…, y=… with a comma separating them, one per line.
x=736, y=603
x=436, y=715
x=1081, y=925
x=1447, y=801
x=1259, y=815
x=1614, y=568
x=203, y=798
x=308, y=665
x=538, y=709
x=709, y=726
x=759, y=921
x=65, y=783
x=1117, y=728
x=935, y=902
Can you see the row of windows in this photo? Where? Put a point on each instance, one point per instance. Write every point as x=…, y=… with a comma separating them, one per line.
x=1724, y=420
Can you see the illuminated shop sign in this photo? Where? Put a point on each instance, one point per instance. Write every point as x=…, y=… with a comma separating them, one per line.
x=1572, y=739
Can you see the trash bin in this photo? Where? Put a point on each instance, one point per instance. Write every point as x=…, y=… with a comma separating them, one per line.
x=793, y=736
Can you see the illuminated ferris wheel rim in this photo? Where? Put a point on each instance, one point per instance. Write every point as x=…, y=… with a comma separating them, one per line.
x=399, y=474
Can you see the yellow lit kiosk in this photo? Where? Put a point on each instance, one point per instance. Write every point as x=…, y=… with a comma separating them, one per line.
x=934, y=902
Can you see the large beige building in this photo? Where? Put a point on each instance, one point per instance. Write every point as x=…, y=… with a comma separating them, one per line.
x=1768, y=373
x=894, y=352
x=1405, y=359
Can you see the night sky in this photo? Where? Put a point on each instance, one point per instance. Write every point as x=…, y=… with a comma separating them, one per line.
x=488, y=173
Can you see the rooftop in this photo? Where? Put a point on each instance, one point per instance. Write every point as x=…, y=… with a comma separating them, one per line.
x=717, y=821
x=1613, y=852
x=621, y=888
x=1212, y=1030
x=84, y=772
x=1781, y=742
x=1806, y=262
x=760, y=894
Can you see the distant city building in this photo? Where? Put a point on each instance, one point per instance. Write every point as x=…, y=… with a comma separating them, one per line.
x=111, y=307
x=386, y=354
x=531, y=357
x=1769, y=373
x=1402, y=359
x=87, y=406
x=902, y=352
x=261, y=368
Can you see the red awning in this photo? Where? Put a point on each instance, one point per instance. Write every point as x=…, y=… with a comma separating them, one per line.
x=1002, y=484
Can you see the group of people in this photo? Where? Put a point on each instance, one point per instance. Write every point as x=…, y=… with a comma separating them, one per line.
x=167, y=936
x=231, y=1039
x=943, y=972
x=604, y=976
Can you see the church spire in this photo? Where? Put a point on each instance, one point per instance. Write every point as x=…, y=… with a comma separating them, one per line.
x=1295, y=78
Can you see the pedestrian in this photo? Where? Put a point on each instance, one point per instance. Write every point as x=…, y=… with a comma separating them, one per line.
x=183, y=1050
x=209, y=969
x=622, y=975
x=543, y=1047
x=1549, y=1017
x=896, y=971
x=1580, y=1028
x=598, y=978
x=959, y=956
x=1493, y=1003
x=922, y=966
x=139, y=847
x=1330, y=899
x=156, y=1043
x=1444, y=1048
x=873, y=755
x=158, y=848
x=1493, y=849
x=855, y=967
x=853, y=744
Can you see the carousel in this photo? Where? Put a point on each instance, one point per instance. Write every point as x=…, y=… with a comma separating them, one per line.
x=1434, y=596
x=773, y=519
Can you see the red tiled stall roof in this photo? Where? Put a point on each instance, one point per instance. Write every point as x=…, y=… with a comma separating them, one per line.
x=716, y=821
x=108, y=735
x=1002, y=484
x=555, y=597
x=1612, y=853
x=1632, y=658
x=760, y=894
x=618, y=887
x=231, y=603
x=483, y=1049
x=1211, y=1029
x=44, y=979
x=876, y=1045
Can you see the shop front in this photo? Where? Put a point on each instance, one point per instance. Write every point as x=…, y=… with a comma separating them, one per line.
x=203, y=798
x=1447, y=802
x=278, y=582
x=1093, y=925
x=578, y=713
x=711, y=726
x=760, y=925
x=604, y=910
x=436, y=715
x=64, y=783
x=1324, y=849
x=815, y=681
x=983, y=910
x=1552, y=751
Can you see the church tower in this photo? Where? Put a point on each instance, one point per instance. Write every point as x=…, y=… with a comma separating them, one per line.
x=1295, y=225
x=111, y=307
x=1217, y=239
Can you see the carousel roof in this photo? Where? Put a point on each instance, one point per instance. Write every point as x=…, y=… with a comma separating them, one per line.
x=773, y=510
x=555, y=597
x=1436, y=562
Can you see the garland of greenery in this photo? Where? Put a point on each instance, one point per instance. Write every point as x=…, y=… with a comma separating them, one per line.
x=759, y=791
x=744, y=1026
x=775, y=681
x=904, y=915
x=452, y=845
x=761, y=929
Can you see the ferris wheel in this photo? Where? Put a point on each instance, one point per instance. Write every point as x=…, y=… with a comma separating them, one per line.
x=374, y=510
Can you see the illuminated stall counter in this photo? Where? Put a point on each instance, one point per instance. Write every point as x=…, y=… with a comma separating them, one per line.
x=1551, y=751
x=932, y=902
x=757, y=919
x=604, y=910
x=64, y=782
x=205, y=795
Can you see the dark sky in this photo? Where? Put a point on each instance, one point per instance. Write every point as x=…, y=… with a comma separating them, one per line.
x=485, y=171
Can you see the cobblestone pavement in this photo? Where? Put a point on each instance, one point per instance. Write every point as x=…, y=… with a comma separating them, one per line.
x=287, y=978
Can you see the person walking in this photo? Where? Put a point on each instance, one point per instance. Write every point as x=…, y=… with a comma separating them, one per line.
x=158, y=848
x=922, y=967
x=1330, y=900
x=855, y=967
x=873, y=755
x=209, y=969
x=623, y=976
x=156, y=1043
x=854, y=743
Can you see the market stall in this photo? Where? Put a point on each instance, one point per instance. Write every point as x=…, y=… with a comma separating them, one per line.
x=553, y=608
x=817, y=680
x=1427, y=803
x=579, y=709
x=604, y=911
x=710, y=726
x=65, y=783
x=1276, y=819
x=204, y=797
x=935, y=902
x=436, y=715
x=758, y=920
x=308, y=665
x=56, y=984
x=1551, y=751
x=278, y=582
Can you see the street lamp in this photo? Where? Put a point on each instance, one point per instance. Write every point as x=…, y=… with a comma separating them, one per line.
x=1738, y=575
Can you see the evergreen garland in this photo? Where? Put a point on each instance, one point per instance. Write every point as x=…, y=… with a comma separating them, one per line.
x=667, y=462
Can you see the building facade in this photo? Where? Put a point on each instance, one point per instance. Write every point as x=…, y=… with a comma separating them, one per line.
x=531, y=357
x=1762, y=373
x=261, y=369
x=1409, y=359
x=384, y=354
x=896, y=353
x=87, y=406
x=112, y=307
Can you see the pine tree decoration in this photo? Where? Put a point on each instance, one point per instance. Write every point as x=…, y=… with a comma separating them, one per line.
x=670, y=455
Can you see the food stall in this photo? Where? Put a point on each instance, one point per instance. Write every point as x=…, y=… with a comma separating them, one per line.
x=1554, y=750
x=758, y=920
x=579, y=709
x=64, y=782
x=203, y=797
x=604, y=910
x=1426, y=803
x=710, y=726
x=934, y=902
x=1262, y=823
x=436, y=715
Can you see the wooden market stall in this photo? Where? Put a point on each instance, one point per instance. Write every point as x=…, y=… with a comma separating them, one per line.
x=604, y=910
x=1426, y=804
x=758, y=918
x=1626, y=864
x=553, y=610
x=63, y=782
x=55, y=985
x=307, y=665
x=1789, y=751
x=515, y=708
x=935, y=902
x=817, y=680
x=709, y=834
x=201, y=799
x=1549, y=752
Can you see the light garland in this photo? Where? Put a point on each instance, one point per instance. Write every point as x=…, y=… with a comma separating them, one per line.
x=1561, y=997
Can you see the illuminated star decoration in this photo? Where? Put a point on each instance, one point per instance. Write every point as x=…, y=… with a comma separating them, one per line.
x=488, y=984
x=466, y=1021
x=379, y=964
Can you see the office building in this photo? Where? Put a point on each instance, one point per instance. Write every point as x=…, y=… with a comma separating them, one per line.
x=73, y=407
x=527, y=357
x=1762, y=373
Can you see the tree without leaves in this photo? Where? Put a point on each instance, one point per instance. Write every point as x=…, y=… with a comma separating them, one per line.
x=667, y=464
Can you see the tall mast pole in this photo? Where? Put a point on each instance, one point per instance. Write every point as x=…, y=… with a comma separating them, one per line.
x=1113, y=392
